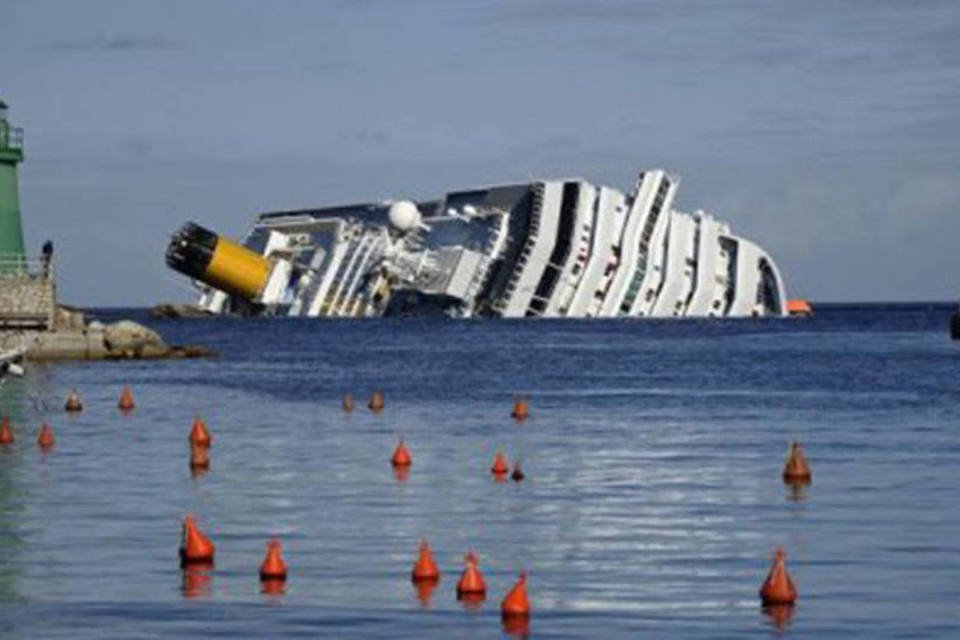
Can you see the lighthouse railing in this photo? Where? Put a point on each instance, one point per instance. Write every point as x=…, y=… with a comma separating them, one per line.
x=17, y=265
x=11, y=138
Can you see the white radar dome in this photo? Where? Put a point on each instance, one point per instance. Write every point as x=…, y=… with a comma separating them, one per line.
x=404, y=215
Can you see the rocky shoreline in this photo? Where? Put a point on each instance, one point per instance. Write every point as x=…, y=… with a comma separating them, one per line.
x=74, y=338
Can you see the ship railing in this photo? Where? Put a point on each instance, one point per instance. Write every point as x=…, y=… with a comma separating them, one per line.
x=17, y=265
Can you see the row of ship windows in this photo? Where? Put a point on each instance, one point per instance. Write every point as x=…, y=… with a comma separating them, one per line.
x=641, y=268
x=633, y=290
x=645, y=238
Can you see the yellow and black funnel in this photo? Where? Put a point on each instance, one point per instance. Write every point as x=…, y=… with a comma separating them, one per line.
x=203, y=255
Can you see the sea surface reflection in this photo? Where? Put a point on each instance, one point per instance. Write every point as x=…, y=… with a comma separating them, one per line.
x=651, y=503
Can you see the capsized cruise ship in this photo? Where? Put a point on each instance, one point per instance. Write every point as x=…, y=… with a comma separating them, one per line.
x=551, y=249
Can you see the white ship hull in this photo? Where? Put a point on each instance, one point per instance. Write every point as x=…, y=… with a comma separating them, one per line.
x=555, y=248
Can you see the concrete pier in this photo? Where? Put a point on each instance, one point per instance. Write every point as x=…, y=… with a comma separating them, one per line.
x=27, y=301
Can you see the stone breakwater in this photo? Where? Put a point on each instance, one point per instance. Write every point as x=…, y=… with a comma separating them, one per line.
x=122, y=340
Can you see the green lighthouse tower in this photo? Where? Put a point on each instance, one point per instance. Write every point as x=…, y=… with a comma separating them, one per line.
x=11, y=232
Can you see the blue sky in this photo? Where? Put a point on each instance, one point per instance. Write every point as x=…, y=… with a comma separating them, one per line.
x=828, y=132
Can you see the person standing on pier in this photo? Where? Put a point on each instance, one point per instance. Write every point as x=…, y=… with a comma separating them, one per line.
x=46, y=257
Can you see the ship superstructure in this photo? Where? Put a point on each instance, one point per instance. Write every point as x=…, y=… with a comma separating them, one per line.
x=552, y=248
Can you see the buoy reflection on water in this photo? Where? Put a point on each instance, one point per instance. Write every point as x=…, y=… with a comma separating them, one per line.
x=779, y=615
x=197, y=580
x=424, y=590
x=401, y=474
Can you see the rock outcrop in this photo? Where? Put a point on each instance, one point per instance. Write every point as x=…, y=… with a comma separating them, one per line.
x=178, y=310
x=122, y=340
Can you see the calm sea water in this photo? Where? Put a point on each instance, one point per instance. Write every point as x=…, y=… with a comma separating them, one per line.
x=651, y=507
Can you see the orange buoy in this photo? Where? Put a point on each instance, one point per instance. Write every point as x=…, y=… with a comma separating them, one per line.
x=778, y=588
x=376, y=401
x=516, y=604
x=517, y=474
x=73, y=404
x=273, y=567
x=471, y=580
x=6, y=433
x=401, y=456
x=796, y=470
x=45, y=439
x=126, y=403
x=500, y=466
x=520, y=409
x=199, y=458
x=347, y=402
x=425, y=568
x=194, y=546
x=199, y=436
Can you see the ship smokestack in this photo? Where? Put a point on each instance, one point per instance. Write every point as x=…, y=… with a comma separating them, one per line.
x=203, y=255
